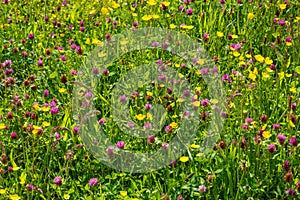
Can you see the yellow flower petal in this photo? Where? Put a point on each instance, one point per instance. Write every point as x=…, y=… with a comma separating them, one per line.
x=266, y=134
x=123, y=193
x=195, y=146
x=220, y=34
x=184, y=159
x=147, y=17
x=2, y=191
x=140, y=117
x=250, y=16
x=14, y=197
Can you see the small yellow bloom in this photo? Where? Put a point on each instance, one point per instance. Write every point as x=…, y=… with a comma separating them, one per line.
x=62, y=90
x=220, y=34
x=291, y=124
x=196, y=103
x=288, y=75
x=134, y=14
x=140, y=117
x=45, y=109
x=188, y=27
x=195, y=146
x=2, y=126
x=104, y=11
x=149, y=116
x=2, y=191
x=155, y=16
x=16, y=168
x=46, y=124
x=174, y=125
x=293, y=90
x=166, y=3
x=149, y=93
x=248, y=56
x=172, y=26
x=269, y=70
x=96, y=41
x=250, y=16
x=66, y=196
x=236, y=54
x=259, y=58
x=281, y=75
x=115, y=5
x=241, y=58
x=289, y=44
x=252, y=76
x=282, y=6
x=265, y=75
x=268, y=61
x=14, y=197
x=184, y=159
x=123, y=193
x=93, y=12
x=234, y=36
x=152, y=2
x=147, y=17
x=266, y=134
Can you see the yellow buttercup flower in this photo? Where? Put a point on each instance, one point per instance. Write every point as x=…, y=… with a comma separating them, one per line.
x=250, y=16
x=62, y=90
x=293, y=90
x=248, y=56
x=2, y=126
x=140, y=117
x=14, y=197
x=281, y=75
x=188, y=27
x=289, y=44
x=282, y=6
x=104, y=11
x=46, y=124
x=115, y=5
x=288, y=75
x=147, y=17
x=123, y=193
x=2, y=191
x=268, y=61
x=252, y=76
x=174, y=125
x=155, y=16
x=184, y=159
x=236, y=54
x=149, y=116
x=166, y=3
x=291, y=124
x=234, y=36
x=149, y=93
x=266, y=134
x=96, y=41
x=172, y=26
x=265, y=75
x=152, y=2
x=259, y=58
x=45, y=109
x=220, y=34
x=195, y=146
x=93, y=12
x=66, y=196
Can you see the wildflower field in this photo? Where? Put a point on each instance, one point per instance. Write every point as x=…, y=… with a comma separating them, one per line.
x=244, y=96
